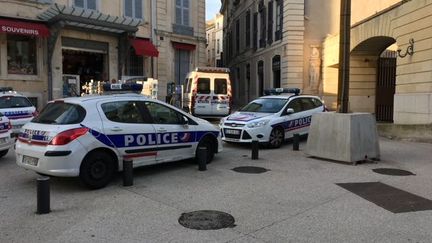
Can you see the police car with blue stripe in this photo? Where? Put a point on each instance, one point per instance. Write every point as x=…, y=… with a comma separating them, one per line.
x=17, y=108
x=6, y=140
x=272, y=119
x=90, y=136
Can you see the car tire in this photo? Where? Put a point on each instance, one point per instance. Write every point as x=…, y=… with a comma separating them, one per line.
x=97, y=170
x=3, y=152
x=277, y=137
x=208, y=144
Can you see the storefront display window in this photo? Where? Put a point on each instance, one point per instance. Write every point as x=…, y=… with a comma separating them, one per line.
x=21, y=55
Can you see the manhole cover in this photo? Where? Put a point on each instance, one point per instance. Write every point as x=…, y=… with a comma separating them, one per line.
x=392, y=172
x=250, y=170
x=206, y=220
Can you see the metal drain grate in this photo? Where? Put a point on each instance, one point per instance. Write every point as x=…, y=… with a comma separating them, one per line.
x=206, y=220
x=388, y=197
x=393, y=172
x=250, y=170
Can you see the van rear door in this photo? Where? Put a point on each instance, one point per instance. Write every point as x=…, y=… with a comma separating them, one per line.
x=203, y=97
x=220, y=99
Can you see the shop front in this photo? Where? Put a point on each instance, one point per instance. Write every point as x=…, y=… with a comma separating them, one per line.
x=88, y=47
x=21, y=57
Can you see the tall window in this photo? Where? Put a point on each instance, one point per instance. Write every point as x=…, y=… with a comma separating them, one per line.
x=248, y=28
x=182, y=60
x=238, y=36
x=255, y=31
x=278, y=19
x=270, y=23
x=133, y=9
x=218, y=46
x=87, y=4
x=263, y=25
x=21, y=55
x=182, y=12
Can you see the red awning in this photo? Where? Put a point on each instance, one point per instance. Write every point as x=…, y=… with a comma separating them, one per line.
x=144, y=47
x=23, y=28
x=183, y=46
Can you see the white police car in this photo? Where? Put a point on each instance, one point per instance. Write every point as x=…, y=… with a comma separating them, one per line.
x=17, y=108
x=90, y=136
x=6, y=142
x=272, y=119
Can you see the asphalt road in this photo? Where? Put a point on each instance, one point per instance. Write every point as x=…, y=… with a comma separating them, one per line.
x=297, y=200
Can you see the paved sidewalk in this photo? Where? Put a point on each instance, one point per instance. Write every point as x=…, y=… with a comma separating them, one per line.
x=296, y=201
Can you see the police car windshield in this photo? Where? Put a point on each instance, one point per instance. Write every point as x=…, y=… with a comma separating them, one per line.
x=14, y=102
x=61, y=114
x=265, y=105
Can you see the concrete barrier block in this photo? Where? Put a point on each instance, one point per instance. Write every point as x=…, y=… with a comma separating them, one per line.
x=342, y=137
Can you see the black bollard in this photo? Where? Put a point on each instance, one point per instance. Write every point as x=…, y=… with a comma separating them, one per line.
x=202, y=158
x=127, y=172
x=296, y=142
x=255, y=148
x=43, y=195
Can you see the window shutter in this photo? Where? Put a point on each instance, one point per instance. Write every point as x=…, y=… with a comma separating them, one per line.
x=248, y=28
x=79, y=3
x=128, y=8
x=270, y=23
x=178, y=12
x=262, y=42
x=138, y=9
x=255, y=31
x=91, y=4
x=186, y=12
x=281, y=17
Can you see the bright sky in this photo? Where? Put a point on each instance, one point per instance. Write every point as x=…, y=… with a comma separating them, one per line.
x=212, y=8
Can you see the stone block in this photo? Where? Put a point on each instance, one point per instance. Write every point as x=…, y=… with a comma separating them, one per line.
x=342, y=137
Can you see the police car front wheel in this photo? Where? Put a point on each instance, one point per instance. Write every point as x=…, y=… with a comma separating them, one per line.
x=3, y=152
x=276, y=138
x=97, y=170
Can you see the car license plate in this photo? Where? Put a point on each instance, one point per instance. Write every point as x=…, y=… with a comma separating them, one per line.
x=30, y=160
x=232, y=132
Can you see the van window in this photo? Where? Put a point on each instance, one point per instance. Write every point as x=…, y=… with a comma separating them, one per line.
x=203, y=86
x=220, y=86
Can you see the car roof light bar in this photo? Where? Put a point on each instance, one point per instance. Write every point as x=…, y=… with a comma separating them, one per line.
x=278, y=91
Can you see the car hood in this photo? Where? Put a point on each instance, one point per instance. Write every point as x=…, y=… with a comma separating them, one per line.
x=246, y=116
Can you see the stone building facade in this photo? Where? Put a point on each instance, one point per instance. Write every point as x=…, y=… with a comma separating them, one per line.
x=50, y=47
x=214, y=32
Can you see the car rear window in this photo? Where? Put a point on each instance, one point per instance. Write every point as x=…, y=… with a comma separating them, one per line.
x=203, y=86
x=220, y=86
x=14, y=102
x=61, y=114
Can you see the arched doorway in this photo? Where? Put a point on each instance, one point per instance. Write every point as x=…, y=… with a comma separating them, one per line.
x=373, y=77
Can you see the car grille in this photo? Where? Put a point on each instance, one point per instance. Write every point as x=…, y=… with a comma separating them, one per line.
x=228, y=124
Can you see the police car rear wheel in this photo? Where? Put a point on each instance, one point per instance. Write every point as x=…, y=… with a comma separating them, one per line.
x=207, y=143
x=3, y=152
x=97, y=170
x=276, y=138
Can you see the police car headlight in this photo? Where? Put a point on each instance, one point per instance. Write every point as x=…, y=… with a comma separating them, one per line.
x=221, y=122
x=258, y=124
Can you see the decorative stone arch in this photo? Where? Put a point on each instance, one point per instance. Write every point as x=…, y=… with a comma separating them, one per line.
x=398, y=24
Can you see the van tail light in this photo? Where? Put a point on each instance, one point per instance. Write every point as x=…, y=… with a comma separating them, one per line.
x=192, y=111
x=68, y=136
x=35, y=113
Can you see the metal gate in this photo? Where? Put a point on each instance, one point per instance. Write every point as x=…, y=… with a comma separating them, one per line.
x=386, y=87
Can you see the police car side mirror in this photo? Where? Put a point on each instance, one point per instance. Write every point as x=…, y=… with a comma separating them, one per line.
x=290, y=111
x=185, y=121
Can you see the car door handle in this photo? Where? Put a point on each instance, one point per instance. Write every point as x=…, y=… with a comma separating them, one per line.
x=116, y=129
